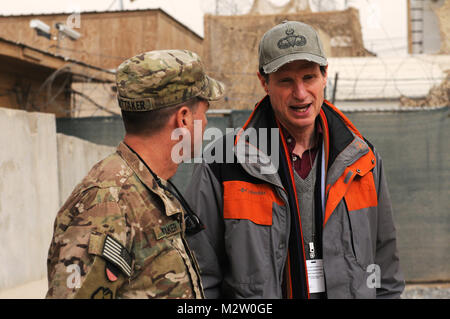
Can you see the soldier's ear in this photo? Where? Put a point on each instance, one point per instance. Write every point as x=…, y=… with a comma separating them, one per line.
x=183, y=117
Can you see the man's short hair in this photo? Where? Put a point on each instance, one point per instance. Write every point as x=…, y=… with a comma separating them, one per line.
x=323, y=70
x=146, y=123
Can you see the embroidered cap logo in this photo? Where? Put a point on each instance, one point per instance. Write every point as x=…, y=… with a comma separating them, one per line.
x=291, y=40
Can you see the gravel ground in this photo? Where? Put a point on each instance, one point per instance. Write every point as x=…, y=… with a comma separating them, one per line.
x=430, y=291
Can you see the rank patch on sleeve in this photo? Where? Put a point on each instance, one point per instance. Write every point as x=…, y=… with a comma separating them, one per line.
x=117, y=254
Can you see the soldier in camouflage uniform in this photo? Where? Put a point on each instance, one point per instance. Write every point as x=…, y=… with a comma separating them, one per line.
x=121, y=233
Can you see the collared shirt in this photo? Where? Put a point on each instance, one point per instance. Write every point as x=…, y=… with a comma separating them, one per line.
x=302, y=165
x=304, y=185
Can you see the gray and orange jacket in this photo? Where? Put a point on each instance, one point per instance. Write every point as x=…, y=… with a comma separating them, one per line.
x=242, y=252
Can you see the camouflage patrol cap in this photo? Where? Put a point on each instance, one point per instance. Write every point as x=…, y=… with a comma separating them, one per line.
x=158, y=79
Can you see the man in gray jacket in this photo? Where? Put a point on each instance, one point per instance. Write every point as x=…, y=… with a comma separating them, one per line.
x=312, y=219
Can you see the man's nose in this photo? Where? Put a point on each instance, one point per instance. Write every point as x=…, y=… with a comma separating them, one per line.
x=300, y=91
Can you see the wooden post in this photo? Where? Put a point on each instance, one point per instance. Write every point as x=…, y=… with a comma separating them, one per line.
x=333, y=98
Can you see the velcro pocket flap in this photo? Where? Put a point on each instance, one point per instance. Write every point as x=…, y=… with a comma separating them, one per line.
x=112, y=250
x=242, y=200
x=361, y=193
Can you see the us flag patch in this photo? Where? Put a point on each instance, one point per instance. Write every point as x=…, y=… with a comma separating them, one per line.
x=117, y=254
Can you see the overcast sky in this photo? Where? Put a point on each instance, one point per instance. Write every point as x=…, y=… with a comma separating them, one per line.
x=383, y=22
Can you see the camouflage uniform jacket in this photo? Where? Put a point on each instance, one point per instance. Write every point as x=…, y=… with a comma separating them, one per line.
x=119, y=235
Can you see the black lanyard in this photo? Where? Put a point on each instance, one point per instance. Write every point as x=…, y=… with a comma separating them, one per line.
x=191, y=220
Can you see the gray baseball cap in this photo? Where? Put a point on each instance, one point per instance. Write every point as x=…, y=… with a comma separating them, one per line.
x=287, y=42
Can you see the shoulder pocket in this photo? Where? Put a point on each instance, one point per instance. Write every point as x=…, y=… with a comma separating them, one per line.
x=361, y=193
x=97, y=284
x=254, y=202
x=112, y=250
x=109, y=270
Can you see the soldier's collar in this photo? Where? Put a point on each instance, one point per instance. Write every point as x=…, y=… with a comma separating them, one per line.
x=151, y=181
x=192, y=223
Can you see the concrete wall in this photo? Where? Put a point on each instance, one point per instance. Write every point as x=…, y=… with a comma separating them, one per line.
x=28, y=194
x=75, y=158
x=38, y=170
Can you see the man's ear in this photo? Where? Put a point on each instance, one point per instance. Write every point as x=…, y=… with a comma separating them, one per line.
x=184, y=117
x=263, y=82
x=326, y=74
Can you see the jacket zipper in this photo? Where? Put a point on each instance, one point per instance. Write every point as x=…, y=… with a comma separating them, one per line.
x=288, y=229
x=351, y=230
x=291, y=177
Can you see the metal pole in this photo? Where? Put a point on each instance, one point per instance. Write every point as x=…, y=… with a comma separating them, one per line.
x=336, y=77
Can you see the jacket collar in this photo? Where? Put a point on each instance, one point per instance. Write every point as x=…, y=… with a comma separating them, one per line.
x=348, y=156
x=256, y=161
x=171, y=205
x=344, y=144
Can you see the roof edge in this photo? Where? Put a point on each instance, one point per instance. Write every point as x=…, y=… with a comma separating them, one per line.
x=57, y=56
x=104, y=12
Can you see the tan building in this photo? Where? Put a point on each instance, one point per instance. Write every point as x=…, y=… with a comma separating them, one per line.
x=35, y=80
x=106, y=39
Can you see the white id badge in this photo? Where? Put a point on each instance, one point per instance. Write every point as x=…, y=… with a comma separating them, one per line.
x=316, y=278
